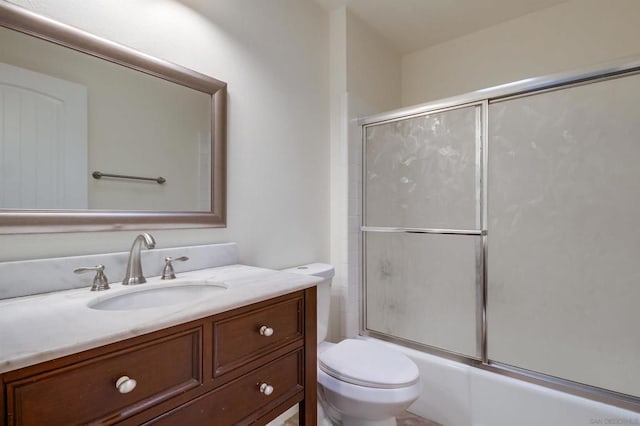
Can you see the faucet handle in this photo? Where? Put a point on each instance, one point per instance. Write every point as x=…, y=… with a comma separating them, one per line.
x=167, y=272
x=100, y=281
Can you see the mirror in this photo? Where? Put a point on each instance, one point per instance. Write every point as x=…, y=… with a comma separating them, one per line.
x=97, y=136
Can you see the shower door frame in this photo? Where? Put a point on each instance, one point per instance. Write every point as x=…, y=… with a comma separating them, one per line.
x=482, y=98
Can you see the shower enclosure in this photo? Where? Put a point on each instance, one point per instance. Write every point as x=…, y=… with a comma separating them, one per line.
x=501, y=229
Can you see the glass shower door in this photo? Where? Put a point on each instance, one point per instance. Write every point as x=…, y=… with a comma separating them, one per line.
x=563, y=236
x=422, y=230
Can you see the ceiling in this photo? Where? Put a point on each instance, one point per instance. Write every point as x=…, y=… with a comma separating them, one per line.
x=411, y=25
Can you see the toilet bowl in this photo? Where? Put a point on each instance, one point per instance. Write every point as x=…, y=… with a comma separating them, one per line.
x=360, y=383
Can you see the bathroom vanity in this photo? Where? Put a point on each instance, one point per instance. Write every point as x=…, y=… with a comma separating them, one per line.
x=242, y=355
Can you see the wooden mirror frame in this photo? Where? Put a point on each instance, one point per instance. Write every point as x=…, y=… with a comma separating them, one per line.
x=46, y=221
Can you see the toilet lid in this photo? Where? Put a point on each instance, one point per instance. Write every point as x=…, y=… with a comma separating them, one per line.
x=368, y=364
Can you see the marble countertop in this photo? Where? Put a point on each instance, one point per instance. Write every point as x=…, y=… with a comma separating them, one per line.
x=39, y=328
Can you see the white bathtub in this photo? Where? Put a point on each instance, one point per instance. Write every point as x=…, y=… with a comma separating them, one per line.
x=456, y=394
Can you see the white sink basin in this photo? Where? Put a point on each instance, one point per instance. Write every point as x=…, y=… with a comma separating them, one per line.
x=156, y=297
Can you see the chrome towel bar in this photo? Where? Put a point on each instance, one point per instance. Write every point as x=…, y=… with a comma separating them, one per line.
x=100, y=175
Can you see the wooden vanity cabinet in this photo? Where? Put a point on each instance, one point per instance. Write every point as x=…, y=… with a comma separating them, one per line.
x=220, y=370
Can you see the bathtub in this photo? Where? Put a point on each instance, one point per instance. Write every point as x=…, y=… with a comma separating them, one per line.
x=456, y=394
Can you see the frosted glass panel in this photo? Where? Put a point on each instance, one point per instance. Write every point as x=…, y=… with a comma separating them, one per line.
x=563, y=234
x=423, y=288
x=421, y=172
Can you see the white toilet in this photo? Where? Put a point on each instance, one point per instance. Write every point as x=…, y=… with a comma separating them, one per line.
x=360, y=383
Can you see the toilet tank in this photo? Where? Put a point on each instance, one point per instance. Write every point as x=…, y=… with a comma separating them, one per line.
x=326, y=272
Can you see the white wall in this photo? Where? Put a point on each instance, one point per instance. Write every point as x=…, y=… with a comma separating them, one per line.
x=373, y=66
x=274, y=56
x=373, y=84
x=561, y=38
x=338, y=213
x=365, y=79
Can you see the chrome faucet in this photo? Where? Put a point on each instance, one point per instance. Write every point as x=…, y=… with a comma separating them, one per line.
x=100, y=281
x=134, y=265
x=168, y=273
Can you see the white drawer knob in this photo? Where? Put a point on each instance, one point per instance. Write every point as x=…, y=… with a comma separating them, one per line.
x=266, y=389
x=266, y=331
x=125, y=385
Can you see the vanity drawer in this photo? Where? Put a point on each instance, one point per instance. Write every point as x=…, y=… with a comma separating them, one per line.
x=85, y=392
x=238, y=340
x=241, y=402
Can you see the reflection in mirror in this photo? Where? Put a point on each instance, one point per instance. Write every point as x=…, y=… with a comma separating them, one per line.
x=66, y=114
x=72, y=104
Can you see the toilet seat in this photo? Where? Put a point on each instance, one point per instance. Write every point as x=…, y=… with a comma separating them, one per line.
x=376, y=397
x=368, y=364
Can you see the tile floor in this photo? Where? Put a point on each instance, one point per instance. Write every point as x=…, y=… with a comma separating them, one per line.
x=409, y=419
x=405, y=419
